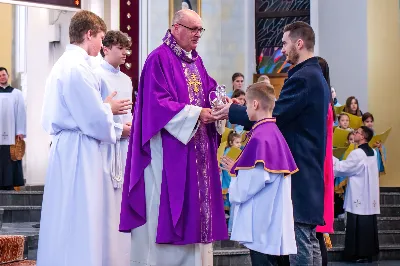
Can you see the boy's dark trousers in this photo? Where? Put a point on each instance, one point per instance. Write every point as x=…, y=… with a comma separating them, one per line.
x=261, y=259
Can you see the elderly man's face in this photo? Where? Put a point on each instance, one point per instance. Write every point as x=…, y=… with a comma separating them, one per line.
x=187, y=32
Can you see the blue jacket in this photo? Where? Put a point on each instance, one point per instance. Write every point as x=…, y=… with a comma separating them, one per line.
x=301, y=115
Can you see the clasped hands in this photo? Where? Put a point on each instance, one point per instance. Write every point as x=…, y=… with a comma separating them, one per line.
x=219, y=112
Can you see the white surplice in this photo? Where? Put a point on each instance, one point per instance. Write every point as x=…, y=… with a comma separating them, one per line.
x=116, y=245
x=13, y=116
x=144, y=249
x=71, y=227
x=263, y=211
x=362, y=192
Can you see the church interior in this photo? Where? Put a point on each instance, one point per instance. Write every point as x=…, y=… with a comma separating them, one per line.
x=240, y=37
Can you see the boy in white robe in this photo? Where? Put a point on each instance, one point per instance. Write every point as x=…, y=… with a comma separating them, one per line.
x=116, y=245
x=72, y=230
x=362, y=198
x=12, y=127
x=261, y=193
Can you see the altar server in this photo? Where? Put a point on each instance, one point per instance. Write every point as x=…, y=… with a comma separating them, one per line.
x=362, y=198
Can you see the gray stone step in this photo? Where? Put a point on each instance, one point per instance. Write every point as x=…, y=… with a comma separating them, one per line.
x=31, y=236
x=239, y=255
x=21, y=198
x=21, y=214
x=390, y=210
x=390, y=198
x=384, y=223
x=386, y=238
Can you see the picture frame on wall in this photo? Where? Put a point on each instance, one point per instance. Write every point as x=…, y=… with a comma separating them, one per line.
x=175, y=5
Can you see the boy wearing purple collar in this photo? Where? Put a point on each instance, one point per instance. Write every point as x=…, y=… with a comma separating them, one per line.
x=261, y=192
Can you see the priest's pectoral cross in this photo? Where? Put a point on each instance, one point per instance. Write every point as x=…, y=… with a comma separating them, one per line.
x=193, y=81
x=358, y=203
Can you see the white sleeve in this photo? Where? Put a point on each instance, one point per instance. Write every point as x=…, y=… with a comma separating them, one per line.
x=184, y=125
x=248, y=183
x=349, y=167
x=21, y=116
x=93, y=117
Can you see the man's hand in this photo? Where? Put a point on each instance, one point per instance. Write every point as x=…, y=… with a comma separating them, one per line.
x=226, y=163
x=222, y=112
x=126, y=131
x=377, y=144
x=118, y=107
x=20, y=137
x=206, y=117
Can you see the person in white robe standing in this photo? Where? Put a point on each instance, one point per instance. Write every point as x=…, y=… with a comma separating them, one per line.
x=12, y=127
x=362, y=198
x=116, y=245
x=72, y=231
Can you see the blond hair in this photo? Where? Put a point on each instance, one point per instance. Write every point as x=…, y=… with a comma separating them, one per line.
x=264, y=93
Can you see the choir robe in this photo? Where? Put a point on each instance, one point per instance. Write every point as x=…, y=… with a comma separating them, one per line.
x=261, y=193
x=116, y=244
x=172, y=202
x=361, y=201
x=71, y=227
x=13, y=122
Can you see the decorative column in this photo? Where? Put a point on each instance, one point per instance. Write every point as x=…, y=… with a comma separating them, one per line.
x=129, y=24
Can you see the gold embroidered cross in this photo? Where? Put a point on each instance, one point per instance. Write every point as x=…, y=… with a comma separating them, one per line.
x=193, y=81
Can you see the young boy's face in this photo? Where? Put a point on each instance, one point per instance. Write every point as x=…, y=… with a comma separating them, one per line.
x=344, y=121
x=116, y=55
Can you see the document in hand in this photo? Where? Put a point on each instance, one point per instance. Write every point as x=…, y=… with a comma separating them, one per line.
x=234, y=153
x=338, y=109
x=340, y=137
x=380, y=137
x=351, y=148
x=245, y=139
x=355, y=121
x=338, y=152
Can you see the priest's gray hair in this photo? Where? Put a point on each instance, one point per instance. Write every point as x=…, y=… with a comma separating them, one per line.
x=178, y=16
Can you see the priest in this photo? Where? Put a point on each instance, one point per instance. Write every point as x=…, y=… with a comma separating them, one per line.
x=114, y=52
x=172, y=201
x=12, y=127
x=362, y=198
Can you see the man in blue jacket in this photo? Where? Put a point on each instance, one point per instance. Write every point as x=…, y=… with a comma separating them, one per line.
x=301, y=113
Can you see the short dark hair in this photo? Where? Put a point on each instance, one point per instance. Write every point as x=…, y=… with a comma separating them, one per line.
x=82, y=22
x=4, y=69
x=367, y=115
x=301, y=30
x=113, y=38
x=238, y=93
x=236, y=75
x=264, y=93
x=367, y=132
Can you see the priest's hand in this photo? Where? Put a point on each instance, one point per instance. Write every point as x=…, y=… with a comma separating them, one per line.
x=118, y=107
x=20, y=137
x=227, y=163
x=206, y=117
x=222, y=112
x=126, y=131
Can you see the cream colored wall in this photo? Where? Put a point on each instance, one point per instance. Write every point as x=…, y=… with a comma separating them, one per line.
x=384, y=78
x=6, y=36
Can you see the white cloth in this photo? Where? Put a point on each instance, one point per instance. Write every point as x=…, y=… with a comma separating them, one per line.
x=72, y=226
x=13, y=116
x=144, y=249
x=117, y=245
x=362, y=191
x=263, y=211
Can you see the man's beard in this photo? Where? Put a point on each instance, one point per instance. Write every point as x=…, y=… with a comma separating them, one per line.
x=293, y=56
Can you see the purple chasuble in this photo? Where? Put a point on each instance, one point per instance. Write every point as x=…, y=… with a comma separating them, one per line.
x=191, y=206
x=268, y=146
